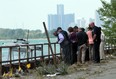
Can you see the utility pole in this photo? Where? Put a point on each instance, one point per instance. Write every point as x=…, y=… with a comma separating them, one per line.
x=49, y=43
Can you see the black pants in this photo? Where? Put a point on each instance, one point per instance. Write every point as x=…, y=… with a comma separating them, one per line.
x=87, y=55
x=67, y=57
x=96, y=52
x=74, y=52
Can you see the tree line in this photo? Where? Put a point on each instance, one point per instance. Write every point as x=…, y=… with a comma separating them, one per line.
x=108, y=16
x=23, y=33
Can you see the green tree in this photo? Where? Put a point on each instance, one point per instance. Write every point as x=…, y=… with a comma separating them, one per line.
x=51, y=33
x=21, y=33
x=108, y=16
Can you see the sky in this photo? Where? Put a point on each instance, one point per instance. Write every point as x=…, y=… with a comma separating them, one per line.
x=30, y=14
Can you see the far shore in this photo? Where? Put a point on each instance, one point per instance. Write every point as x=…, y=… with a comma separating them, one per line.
x=28, y=39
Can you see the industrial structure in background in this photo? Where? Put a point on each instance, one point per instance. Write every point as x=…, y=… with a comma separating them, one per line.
x=60, y=19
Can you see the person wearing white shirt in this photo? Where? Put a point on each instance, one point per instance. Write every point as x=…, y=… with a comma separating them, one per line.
x=65, y=44
x=102, y=54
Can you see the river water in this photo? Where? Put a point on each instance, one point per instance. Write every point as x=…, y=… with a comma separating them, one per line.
x=5, y=52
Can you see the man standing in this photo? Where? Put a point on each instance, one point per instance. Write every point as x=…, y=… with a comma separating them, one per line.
x=97, y=40
x=73, y=39
x=82, y=39
x=102, y=54
x=65, y=44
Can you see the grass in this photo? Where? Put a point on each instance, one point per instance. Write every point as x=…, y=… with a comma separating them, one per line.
x=62, y=69
x=81, y=78
x=39, y=72
x=49, y=69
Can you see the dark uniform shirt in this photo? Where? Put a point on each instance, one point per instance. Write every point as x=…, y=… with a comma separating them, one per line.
x=82, y=38
x=97, y=31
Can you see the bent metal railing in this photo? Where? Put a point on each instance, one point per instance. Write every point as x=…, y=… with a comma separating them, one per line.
x=33, y=52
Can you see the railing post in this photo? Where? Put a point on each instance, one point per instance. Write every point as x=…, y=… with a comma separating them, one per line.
x=55, y=49
x=61, y=52
x=27, y=53
x=0, y=61
x=42, y=53
x=10, y=51
x=19, y=56
x=35, y=52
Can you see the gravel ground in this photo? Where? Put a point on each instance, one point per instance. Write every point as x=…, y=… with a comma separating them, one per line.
x=104, y=70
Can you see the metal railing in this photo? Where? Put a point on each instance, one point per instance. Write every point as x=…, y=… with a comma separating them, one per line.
x=33, y=52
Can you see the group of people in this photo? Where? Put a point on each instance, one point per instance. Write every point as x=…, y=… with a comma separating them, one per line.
x=79, y=46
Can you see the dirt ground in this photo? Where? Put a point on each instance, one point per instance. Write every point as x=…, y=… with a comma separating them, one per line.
x=104, y=70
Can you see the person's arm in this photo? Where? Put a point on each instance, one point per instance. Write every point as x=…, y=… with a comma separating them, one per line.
x=95, y=32
x=61, y=38
x=94, y=36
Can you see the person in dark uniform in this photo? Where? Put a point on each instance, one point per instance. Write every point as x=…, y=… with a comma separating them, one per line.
x=97, y=40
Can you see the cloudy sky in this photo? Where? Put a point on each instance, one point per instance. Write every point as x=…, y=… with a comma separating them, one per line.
x=29, y=14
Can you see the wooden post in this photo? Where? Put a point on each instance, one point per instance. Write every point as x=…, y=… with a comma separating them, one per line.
x=27, y=53
x=0, y=61
x=31, y=55
x=10, y=51
x=35, y=52
x=19, y=56
x=48, y=52
x=55, y=49
x=61, y=53
x=42, y=52
x=49, y=43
